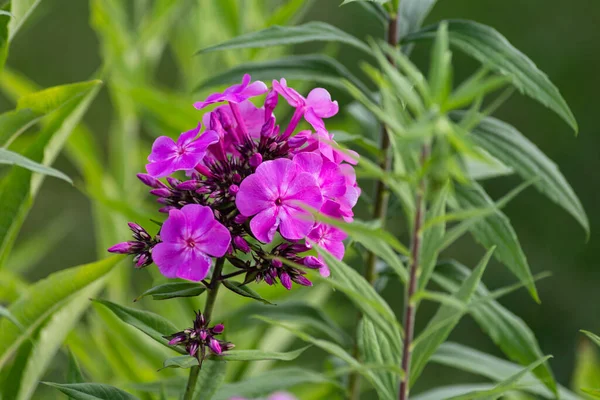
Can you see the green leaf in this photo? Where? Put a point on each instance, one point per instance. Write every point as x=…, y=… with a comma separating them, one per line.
x=51, y=337
x=20, y=10
x=287, y=35
x=74, y=374
x=494, y=50
x=19, y=187
x=15, y=122
x=371, y=1
x=496, y=230
x=173, y=290
x=595, y=393
x=91, y=391
x=31, y=309
x=12, y=158
x=509, y=384
x=467, y=359
x=149, y=323
x=507, y=330
x=337, y=351
x=412, y=13
x=7, y=314
x=270, y=382
x=508, y=145
x=235, y=355
x=443, y=322
x=440, y=70
x=4, y=37
x=210, y=379
x=446, y=392
x=311, y=68
x=244, y=290
x=594, y=338
x=432, y=237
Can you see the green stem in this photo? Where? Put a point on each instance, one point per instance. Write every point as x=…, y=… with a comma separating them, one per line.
x=211, y=298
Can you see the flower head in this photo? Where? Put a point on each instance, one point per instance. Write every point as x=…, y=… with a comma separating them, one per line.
x=276, y=194
x=189, y=237
x=141, y=246
x=168, y=156
x=236, y=93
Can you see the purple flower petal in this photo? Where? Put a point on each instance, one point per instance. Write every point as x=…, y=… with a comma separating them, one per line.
x=319, y=100
x=290, y=95
x=163, y=148
x=265, y=224
x=295, y=224
x=175, y=228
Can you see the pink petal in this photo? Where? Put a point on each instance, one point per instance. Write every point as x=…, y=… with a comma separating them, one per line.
x=255, y=89
x=324, y=271
x=168, y=257
x=260, y=190
x=309, y=162
x=188, y=137
x=331, y=180
x=320, y=101
x=205, y=140
x=303, y=190
x=213, y=98
x=294, y=98
x=175, y=227
x=198, y=218
x=281, y=396
x=336, y=248
x=295, y=223
x=160, y=169
x=253, y=116
x=195, y=267
x=312, y=118
x=163, y=148
x=215, y=241
x=265, y=224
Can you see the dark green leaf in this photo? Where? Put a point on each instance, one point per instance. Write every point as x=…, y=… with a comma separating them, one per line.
x=173, y=290
x=496, y=230
x=12, y=158
x=507, y=144
x=151, y=324
x=20, y=11
x=412, y=13
x=508, y=331
x=439, y=327
x=74, y=374
x=31, y=309
x=210, y=379
x=244, y=290
x=492, y=49
x=91, y=391
x=286, y=35
x=594, y=338
x=312, y=68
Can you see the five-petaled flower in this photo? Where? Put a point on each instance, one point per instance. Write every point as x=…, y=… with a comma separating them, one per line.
x=236, y=93
x=190, y=237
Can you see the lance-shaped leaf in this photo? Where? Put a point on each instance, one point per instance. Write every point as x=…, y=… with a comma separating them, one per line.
x=244, y=290
x=32, y=308
x=91, y=391
x=12, y=158
x=287, y=35
x=594, y=338
x=412, y=13
x=432, y=237
x=496, y=230
x=173, y=290
x=494, y=50
x=444, y=321
x=210, y=379
x=19, y=187
x=510, y=146
x=311, y=68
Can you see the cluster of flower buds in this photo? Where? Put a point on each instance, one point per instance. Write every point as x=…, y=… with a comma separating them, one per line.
x=141, y=247
x=200, y=338
x=249, y=181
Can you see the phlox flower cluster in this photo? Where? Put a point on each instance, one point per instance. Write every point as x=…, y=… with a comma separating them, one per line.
x=250, y=185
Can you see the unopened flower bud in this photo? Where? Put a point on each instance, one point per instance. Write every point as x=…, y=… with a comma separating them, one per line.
x=271, y=101
x=236, y=178
x=190, y=185
x=218, y=329
x=312, y=262
x=277, y=263
x=233, y=189
x=203, y=334
x=162, y=192
x=240, y=219
x=299, y=279
x=255, y=160
x=126, y=247
x=241, y=244
x=173, y=182
x=299, y=139
x=284, y=277
x=177, y=338
x=193, y=349
x=268, y=128
x=165, y=210
x=150, y=181
x=215, y=346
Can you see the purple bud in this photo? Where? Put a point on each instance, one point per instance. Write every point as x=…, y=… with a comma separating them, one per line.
x=271, y=101
x=193, y=349
x=162, y=192
x=173, y=182
x=215, y=346
x=273, y=147
x=241, y=244
x=178, y=338
x=226, y=122
x=203, y=190
x=141, y=260
x=203, y=170
x=236, y=178
x=268, y=128
x=215, y=124
x=255, y=160
x=277, y=263
x=233, y=189
x=227, y=346
x=164, y=201
x=150, y=181
x=285, y=280
x=313, y=262
x=166, y=209
x=189, y=185
x=218, y=329
x=200, y=320
x=125, y=247
x=299, y=139
x=240, y=219
x=268, y=279
x=299, y=248
x=203, y=334
x=299, y=279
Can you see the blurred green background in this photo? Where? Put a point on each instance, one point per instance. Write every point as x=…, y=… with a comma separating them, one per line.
x=59, y=46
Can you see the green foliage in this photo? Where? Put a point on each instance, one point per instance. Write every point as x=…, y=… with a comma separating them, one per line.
x=91, y=391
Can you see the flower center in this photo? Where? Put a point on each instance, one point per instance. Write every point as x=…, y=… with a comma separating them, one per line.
x=181, y=151
x=190, y=243
x=278, y=202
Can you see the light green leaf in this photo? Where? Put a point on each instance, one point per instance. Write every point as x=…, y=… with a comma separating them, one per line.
x=586, y=372
x=412, y=13
x=270, y=382
x=594, y=338
x=494, y=50
x=311, y=68
x=235, y=355
x=51, y=338
x=19, y=187
x=12, y=158
x=496, y=230
x=432, y=237
x=31, y=309
x=173, y=290
x=4, y=37
x=244, y=290
x=507, y=330
x=287, y=35
x=440, y=69
x=510, y=383
x=4, y=313
x=91, y=391
x=74, y=374
x=443, y=322
x=455, y=355
x=20, y=11
x=15, y=122
x=210, y=379
x=595, y=393
x=446, y=392
x=149, y=323
x=508, y=145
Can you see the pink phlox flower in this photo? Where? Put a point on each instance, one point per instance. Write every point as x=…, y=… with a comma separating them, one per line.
x=328, y=237
x=316, y=106
x=329, y=175
x=331, y=150
x=277, y=194
x=190, y=237
x=350, y=197
x=236, y=93
x=254, y=118
x=168, y=156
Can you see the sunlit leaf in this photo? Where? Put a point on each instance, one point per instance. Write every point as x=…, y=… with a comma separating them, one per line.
x=594, y=338
x=31, y=309
x=4, y=313
x=91, y=391
x=173, y=290
x=494, y=50
x=11, y=158
x=244, y=290
x=286, y=35
x=13, y=123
